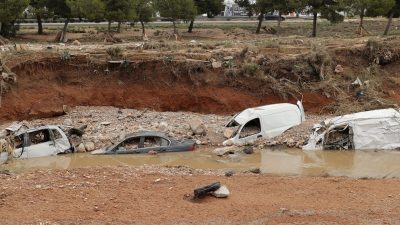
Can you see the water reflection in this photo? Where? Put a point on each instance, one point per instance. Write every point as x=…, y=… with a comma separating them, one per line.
x=377, y=164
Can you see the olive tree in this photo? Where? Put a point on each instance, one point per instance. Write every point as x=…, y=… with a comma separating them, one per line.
x=176, y=10
x=10, y=10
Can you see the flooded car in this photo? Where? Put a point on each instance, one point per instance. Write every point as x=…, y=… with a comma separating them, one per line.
x=145, y=142
x=38, y=142
x=370, y=130
x=267, y=121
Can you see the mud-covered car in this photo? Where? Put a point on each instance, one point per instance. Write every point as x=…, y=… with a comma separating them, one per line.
x=145, y=142
x=38, y=142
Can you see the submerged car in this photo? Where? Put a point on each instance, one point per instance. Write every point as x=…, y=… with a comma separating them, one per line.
x=39, y=142
x=370, y=130
x=267, y=121
x=145, y=142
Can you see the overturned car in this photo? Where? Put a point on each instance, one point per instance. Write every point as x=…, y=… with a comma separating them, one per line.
x=377, y=129
x=267, y=121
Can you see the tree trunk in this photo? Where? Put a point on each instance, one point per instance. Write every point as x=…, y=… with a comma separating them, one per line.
x=279, y=19
x=109, y=26
x=389, y=24
x=314, y=32
x=143, y=30
x=64, y=31
x=260, y=20
x=191, y=26
x=119, y=27
x=361, y=26
x=175, y=30
x=40, y=24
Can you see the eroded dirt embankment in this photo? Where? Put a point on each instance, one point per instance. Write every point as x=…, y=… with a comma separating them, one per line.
x=46, y=84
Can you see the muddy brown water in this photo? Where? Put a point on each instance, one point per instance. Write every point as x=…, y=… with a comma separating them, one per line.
x=354, y=164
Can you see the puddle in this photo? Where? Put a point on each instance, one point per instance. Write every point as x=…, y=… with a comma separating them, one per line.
x=356, y=164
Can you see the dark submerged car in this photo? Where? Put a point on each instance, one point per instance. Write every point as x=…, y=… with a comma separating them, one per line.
x=144, y=142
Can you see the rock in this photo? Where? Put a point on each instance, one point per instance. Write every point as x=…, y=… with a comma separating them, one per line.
x=339, y=69
x=152, y=152
x=225, y=150
x=163, y=126
x=298, y=42
x=105, y=123
x=228, y=132
x=68, y=122
x=229, y=173
x=248, y=150
x=222, y=192
x=198, y=142
x=66, y=109
x=89, y=146
x=216, y=65
x=197, y=126
x=255, y=170
x=227, y=58
x=76, y=42
x=81, y=148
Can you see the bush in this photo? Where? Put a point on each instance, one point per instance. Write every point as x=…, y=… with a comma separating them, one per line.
x=114, y=52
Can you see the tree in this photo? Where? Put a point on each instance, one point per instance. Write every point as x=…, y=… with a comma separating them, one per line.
x=10, y=10
x=60, y=8
x=144, y=12
x=119, y=11
x=259, y=7
x=370, y=8
x=40, y=10
x=176, y=10
x=90, y=9
x=209, y=7
x=395, y=11
x=285, y=7
x=329, y=9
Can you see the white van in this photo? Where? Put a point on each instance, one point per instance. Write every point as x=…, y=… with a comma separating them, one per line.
x=266, y=121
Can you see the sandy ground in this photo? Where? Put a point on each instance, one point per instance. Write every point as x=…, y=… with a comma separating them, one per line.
x=127, y=195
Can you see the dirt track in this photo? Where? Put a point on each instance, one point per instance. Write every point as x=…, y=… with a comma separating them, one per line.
x=125, y=195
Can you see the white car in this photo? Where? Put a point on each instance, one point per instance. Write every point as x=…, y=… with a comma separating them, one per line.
x=267, y=121
x=39, y=142
x=377, y=129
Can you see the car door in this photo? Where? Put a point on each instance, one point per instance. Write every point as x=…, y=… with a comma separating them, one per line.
x=60, y=140
x=154, y=143
x=40, y=143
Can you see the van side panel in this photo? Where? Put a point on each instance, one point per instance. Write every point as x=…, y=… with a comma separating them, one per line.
x=275, y=124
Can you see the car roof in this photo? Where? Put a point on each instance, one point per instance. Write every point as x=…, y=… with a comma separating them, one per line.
x=147, y=133
x=30, y=130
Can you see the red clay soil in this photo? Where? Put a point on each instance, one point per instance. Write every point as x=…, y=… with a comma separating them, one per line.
x=128, y=196
x=46, y=84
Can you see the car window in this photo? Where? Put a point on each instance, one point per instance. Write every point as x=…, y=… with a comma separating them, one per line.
x=19, y=141
x=251, y=128
x=154, y=142
x=40, y=136
x=129, y=144
x=57, y=134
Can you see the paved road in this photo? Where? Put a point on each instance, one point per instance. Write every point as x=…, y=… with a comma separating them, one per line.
x=164, y=22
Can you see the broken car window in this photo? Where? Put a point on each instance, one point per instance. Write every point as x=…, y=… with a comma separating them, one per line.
x=340, y=138
x=251, y=128
x=57, y=134
x=129, y=144
x=152, y=142
x=40, y=136
x=19, y=141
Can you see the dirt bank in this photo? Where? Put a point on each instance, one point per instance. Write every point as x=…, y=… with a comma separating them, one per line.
x=46, y=84
x=127, y=195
